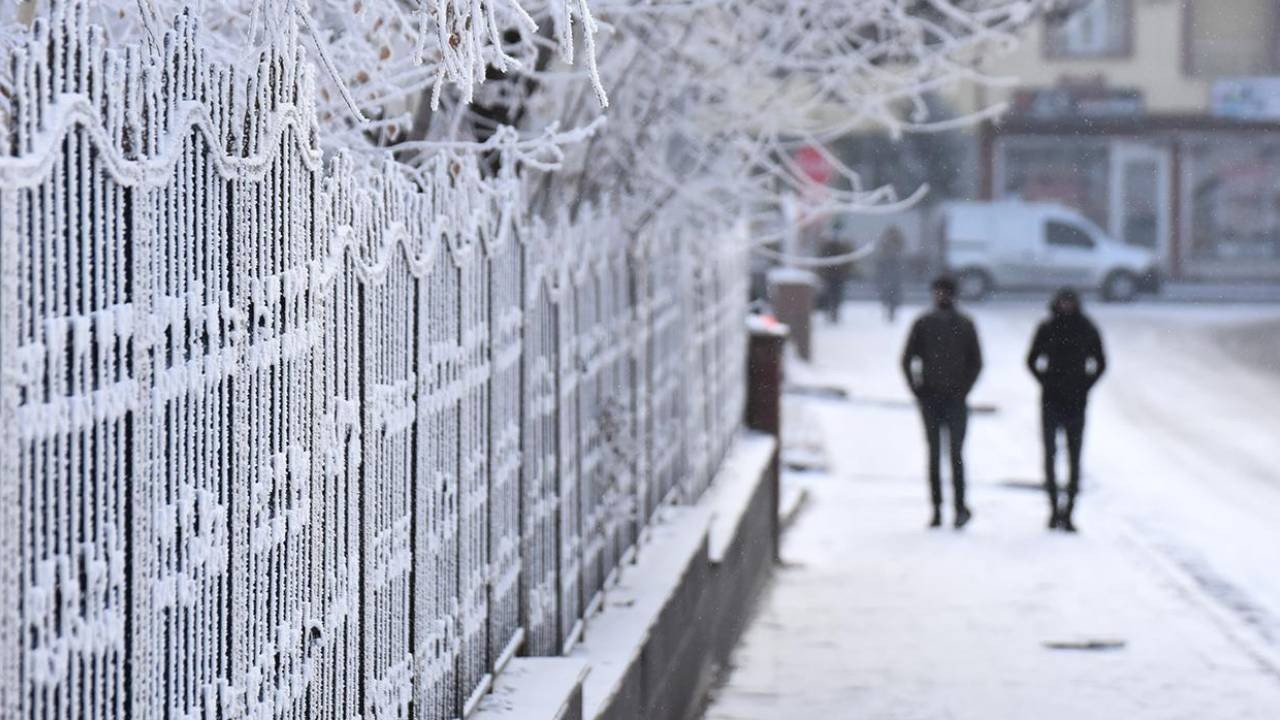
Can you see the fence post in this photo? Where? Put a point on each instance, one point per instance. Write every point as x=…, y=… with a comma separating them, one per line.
x=764, y=399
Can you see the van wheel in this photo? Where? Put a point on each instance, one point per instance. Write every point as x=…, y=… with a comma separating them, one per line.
x=1120, y=286
x=974, y=284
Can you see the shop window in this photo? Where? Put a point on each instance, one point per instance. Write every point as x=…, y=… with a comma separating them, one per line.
x=1071, y=171
x=1232, y=190
x=1098, y=29
x=1066, y=235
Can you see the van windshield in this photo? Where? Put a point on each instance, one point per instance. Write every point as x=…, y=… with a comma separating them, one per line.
x=1067, y=235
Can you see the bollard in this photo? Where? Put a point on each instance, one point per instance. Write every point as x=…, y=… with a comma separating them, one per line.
x=764, y=400
x=764, y=374
x=792, y=293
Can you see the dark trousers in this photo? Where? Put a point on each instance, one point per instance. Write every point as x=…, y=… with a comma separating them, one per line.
x=890, y=299
x=951, y=414
x=1067, y=418
x=832, y=296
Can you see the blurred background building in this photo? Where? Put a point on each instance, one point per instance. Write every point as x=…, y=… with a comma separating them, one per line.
x=1158, y=119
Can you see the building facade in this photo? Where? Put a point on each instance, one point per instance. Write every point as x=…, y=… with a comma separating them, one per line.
x=1159, y=120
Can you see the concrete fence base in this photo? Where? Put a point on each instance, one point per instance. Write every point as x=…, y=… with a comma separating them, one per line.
x=670, y=622
x=688, y=604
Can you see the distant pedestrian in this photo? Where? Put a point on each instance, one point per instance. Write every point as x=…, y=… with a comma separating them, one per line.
x=1067, y=359
x=942, y=361
x=888, y=270
x=834, y=275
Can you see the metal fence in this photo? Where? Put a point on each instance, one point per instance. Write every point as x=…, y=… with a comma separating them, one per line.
x=288, y=437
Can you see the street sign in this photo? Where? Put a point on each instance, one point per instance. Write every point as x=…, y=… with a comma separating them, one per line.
x=814, y=164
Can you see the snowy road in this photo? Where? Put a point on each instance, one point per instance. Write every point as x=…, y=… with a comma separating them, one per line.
x=1178, y=561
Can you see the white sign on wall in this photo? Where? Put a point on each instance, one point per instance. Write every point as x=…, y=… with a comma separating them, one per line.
x=1246, y=98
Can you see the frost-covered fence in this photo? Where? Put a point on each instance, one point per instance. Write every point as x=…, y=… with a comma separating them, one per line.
x=289, y=437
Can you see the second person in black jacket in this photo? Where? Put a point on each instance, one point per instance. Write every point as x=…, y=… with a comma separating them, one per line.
x=1067, y=359
x=942, y=361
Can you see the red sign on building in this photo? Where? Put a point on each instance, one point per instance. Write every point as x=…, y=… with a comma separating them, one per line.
x=814, y=164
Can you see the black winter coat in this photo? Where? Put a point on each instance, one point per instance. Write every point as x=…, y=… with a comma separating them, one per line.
x=1067, y=358
x=945, y=343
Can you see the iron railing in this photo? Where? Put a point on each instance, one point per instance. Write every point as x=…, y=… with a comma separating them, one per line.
x=292, y=437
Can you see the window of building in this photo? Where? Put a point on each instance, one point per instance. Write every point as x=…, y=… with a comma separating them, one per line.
x=1066, y=235
x=1068, y=170
x=1098, y=29
x=1231, y=187
x=1231, y=39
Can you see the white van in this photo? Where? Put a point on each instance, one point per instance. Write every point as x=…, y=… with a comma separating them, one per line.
x=1014, y=244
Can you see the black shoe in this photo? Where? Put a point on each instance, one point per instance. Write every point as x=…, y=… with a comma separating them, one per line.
x=1055, y=520
x=936, y=521
x=1066, y=524
x=963, y=516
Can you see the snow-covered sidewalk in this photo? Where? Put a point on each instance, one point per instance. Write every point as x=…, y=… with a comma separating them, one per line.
x=876, y=617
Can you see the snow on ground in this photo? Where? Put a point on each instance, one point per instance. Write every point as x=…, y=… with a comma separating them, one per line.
x=876, y=617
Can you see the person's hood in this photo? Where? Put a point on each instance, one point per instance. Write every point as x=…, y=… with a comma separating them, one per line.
x=1066, y=293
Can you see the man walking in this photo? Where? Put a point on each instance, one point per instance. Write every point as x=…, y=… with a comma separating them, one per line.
x=942, y=361
x=834, y=274
x=889, y=272
x=1067, y=359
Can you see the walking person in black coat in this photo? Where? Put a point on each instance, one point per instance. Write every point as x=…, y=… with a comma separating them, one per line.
x=942, y=361
x=834, y=275
x=1067, y=359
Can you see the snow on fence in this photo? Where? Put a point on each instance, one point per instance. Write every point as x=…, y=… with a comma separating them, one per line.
x=289, y=437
